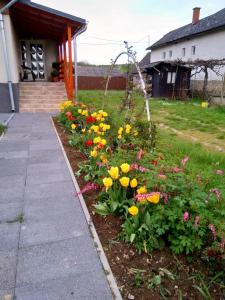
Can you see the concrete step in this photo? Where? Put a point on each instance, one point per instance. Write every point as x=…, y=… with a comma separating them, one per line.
x=41, y=96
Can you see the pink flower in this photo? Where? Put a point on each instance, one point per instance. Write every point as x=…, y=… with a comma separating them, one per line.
x=134, y=167
x=143, y=169
x=186, y=216
x=212, y=228
x=88, y=187
x=216, y=192
x=140, y=154
x=176, y=170
x=162, y=176
x=219, y=172
x=165, y=197
x=197, y=218
x=185, y=160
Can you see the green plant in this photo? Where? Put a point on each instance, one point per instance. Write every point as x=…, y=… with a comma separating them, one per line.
x=54, y=73
x=2, y=129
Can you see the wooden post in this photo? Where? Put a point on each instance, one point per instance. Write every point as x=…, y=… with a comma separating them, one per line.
x=70, y=71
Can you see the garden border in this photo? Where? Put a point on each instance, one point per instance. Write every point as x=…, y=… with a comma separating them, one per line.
x=105, y=264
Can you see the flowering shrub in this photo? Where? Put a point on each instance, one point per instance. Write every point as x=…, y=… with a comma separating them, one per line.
x=159, y=204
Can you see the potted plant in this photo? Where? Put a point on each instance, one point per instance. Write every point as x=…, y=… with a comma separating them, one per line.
x=55, y=71
x=55, y=75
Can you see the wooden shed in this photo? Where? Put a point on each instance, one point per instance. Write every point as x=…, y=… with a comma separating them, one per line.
x=168, y=80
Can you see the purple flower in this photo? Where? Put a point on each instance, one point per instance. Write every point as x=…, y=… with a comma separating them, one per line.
x=186, y=216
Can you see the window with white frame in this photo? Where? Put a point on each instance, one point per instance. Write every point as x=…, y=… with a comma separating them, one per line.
x=193, y=50
x=171, y=77
x=170, y=53
x=164, y=55
x=183, y=51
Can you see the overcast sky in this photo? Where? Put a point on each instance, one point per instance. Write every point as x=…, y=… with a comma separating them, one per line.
x=138, y=21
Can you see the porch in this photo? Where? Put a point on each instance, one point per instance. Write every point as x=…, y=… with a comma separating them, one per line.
x=41, y=48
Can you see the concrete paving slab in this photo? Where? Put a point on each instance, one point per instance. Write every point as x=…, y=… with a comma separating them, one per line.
x=56, y=260
x=4, y=117
x=12, y=186
x=8, y=260
x=7, y=294
x=43, y=167
x=47, y=177
x=80, y=287
x=44, y=145
x=9, y=210
x=55, y=189
x=13, y=145
x=14, y=166
x=45, y=156
x=9, y=236
x=14, y=154
x=51, y=228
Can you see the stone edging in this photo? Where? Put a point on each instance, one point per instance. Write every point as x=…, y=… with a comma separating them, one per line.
x=98, y=245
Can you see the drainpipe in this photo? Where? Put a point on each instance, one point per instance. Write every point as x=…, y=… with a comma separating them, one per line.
x=6, y=56
x=82, y=29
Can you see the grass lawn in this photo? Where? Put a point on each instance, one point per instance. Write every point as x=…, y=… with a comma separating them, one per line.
x=184, y=128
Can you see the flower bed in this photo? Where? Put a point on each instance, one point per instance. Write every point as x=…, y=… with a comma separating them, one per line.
x=152, y=207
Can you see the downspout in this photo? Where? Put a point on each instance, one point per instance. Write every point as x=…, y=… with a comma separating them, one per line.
x=6, y=56
x=82, y=29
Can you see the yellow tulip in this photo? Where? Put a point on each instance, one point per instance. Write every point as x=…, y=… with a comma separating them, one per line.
x=133, y=183
x=97, y=140
x=103, y=142
x=125, y=168
x=133, y=210
x=114, y=172
x=107, y=181
x=120, y=137
x=142, y=190
x=124, y=181
x=154, y=198
x=80, y=111
x=73, y=126
x=94, y=153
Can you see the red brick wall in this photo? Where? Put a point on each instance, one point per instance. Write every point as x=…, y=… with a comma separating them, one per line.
x=98, y=83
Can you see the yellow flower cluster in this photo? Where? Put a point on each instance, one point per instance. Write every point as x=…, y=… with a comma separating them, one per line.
x=83, y=112
x=73, y=126
x=100, y=129
x=98, y=140
x=127, y=129
x=124, y=181
x=153, y=198
x=65, y=104
x=100, y=115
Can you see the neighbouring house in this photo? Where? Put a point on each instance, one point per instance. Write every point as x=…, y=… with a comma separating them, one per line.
x=33, y=37
x=202, y=39
x=92, y=77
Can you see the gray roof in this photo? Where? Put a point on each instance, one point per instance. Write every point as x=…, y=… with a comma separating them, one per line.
x=205, y=25
x=145, y=60
x=54, y=11
x=98, y=71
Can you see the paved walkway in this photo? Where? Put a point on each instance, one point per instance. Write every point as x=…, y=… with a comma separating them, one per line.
x=51, y=254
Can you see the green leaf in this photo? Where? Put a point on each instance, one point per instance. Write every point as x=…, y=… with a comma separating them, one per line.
x=132, y=237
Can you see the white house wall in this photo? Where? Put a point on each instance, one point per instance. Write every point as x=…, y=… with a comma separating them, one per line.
x=207, y=47
x=12, y=44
